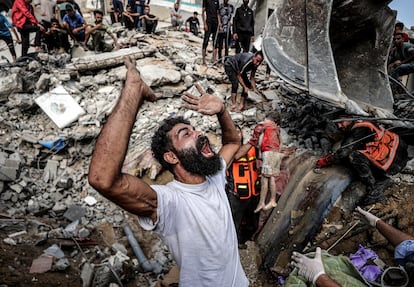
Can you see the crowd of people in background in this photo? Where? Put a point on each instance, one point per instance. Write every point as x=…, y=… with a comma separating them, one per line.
x=59, y=25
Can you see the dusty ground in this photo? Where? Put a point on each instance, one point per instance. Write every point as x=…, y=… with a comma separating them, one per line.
x=15, y=261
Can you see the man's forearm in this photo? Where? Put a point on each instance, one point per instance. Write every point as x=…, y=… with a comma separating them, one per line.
x=242, y=150
x=326, y=281
x=228, y=129
x=241, y=81
x=113, y=141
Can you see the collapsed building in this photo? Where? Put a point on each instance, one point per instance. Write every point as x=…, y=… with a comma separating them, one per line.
x=53, y=109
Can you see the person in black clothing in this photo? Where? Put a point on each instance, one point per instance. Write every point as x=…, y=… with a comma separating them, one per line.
x=372, y=151
x=211, y=22
x=243, y=27
x=194, y=23
x=226, y=11
x=149, y=21
x=57, y=38
x=118, y=10
x=243, y=190
x=236, y=68
x=130, y=18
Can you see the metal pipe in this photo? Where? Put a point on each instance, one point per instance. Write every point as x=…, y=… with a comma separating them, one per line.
x=146, y=265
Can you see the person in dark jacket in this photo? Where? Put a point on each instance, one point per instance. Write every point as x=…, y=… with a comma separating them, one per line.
x=211, y=22
x=243, y=27
x=237, y=68
x=243, y=189
x=372, y=151
x=193, y=23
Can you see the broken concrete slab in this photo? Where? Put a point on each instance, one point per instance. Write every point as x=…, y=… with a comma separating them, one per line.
x=61, y=108
x=108, y=60
x=10, y=83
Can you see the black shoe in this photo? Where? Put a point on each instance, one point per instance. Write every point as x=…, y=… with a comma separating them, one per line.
x=372, y=198
x=383, y=184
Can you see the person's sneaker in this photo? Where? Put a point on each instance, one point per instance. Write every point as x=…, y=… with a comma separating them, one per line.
x=372, y=198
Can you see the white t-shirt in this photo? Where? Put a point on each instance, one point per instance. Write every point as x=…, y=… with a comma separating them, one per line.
x=195, y=222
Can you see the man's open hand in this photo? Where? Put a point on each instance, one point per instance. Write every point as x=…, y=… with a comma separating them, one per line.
x=206, y=104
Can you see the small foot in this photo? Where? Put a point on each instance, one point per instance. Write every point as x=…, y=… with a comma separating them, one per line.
x=270, y=205
x=259, y=207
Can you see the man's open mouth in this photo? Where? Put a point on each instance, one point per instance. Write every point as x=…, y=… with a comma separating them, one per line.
x=204, y=147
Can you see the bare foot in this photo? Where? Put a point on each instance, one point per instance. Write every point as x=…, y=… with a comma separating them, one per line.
x=240, y=108
x=233, y=107
x=259, y=207
x=270, y=205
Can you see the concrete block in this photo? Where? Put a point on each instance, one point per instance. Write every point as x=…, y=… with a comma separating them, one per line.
x=3, y=157
x=74, y=212
x=8, y=174
x=12, y=163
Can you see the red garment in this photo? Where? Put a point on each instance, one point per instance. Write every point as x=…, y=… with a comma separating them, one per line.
x=271, y=136
x=326, y=160
x=267, y=135
x=22, y=12
x=406, y=37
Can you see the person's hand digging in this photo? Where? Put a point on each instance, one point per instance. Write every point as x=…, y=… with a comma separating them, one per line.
x=367, y=216
x=310, y=268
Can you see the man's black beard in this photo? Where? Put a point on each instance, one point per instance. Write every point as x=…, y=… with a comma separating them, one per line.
x=195, y=163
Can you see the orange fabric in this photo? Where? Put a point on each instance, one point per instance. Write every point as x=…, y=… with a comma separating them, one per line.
x=245, y=175
x=383, y=149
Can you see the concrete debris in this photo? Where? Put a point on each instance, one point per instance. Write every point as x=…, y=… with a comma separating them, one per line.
x=41, y=264
x=51, y=97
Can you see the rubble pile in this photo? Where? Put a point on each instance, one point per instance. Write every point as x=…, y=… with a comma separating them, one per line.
x=45, y=147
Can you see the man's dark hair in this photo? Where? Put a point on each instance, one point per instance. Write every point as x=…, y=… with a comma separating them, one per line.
x=69, y=7
x=195, y=13
x=259, y=53
x=162, y=143
x=399, y=25
x=273, y=115
x=4, y=7
x=97, y=12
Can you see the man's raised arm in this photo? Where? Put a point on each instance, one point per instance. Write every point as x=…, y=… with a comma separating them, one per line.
x=129, y=192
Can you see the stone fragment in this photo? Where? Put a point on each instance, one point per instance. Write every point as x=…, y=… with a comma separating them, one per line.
x=10, y=84
x=41, y=264
x=74, y=213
